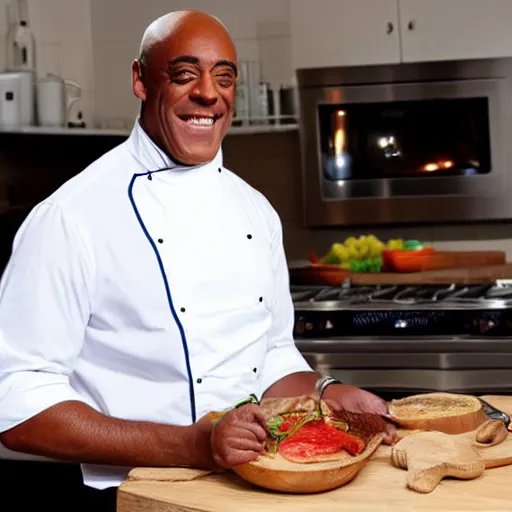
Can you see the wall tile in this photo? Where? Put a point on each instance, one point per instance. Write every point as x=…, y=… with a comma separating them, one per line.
x=115, y=108
x=112, y=65
x=273, y=11
x=48, y=58
x=275, y=56
x=112, y=21
x=76, y=63
x=60, y=20
x=247, y=49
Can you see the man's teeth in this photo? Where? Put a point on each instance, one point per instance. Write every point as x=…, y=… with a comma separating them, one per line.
x=204, y=121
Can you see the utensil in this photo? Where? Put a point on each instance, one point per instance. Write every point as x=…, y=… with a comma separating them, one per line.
x=494, y=413
x=430, y=456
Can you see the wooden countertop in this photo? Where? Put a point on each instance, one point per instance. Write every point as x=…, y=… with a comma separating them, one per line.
x=378, y=487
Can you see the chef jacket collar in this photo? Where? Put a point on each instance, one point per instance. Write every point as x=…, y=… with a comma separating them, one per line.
x=152, y=158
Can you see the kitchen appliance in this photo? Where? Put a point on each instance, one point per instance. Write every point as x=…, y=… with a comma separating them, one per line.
x=26, y=96
x=398, y=340
x=21, y=46
x=10, y=100
x=419, y=142
x=55, y=96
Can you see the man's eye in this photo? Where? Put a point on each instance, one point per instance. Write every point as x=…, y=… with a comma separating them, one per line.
x=182, y=77
x=225, y=80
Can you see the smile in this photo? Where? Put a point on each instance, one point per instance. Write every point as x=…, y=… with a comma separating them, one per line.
x=198, y=120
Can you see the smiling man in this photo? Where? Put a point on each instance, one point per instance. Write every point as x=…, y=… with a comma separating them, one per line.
x=187, y=85
x=152, y=288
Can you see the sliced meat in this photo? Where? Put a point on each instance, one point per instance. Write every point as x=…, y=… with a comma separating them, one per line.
x=318, y=441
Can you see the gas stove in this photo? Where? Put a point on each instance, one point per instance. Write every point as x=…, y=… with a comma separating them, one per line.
x=405, y=339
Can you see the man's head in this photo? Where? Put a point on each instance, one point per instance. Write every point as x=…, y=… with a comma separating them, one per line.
x=186, y=78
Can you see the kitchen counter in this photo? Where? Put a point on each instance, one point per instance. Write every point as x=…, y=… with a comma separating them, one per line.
x=378, y=487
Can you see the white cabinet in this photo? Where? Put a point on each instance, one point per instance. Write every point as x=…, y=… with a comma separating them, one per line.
x=455, y=29
x=344, y=32
x=328, y=33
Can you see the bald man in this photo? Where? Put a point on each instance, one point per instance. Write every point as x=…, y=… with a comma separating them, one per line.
x=152, y=288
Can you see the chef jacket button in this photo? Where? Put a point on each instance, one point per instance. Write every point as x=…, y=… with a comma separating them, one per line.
x=183, y=310
x=249, y=236
x=261, y=299
x=160, y=240
x=220, y=170
x=199, y=380
x=255, y=370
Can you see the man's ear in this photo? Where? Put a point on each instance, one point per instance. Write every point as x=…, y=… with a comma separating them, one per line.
x=139, y=89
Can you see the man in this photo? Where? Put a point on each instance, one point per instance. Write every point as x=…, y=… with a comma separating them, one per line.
x=152, y=288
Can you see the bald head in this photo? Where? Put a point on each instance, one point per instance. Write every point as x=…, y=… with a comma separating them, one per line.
x=186, y=79
x=179, y=24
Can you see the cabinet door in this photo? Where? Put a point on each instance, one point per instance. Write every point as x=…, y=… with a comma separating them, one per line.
x=455, y=29
x=327, y=33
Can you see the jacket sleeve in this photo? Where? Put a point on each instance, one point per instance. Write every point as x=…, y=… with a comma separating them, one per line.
x=283, y=358
x=44, y=309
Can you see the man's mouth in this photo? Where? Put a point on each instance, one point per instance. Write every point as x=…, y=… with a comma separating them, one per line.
x=200, y=120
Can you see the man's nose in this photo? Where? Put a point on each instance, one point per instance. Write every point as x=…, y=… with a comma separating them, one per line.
x=204, y=91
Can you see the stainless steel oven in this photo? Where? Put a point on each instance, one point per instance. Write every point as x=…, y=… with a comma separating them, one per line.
x=407, y=143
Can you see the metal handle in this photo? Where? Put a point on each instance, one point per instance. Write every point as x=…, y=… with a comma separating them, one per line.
x=390, y=28
x=411, y=25
x=495, y=414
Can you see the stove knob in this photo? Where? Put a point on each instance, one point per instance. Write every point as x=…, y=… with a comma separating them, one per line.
x=300, y=328
x=486, y=325
x=401, y=324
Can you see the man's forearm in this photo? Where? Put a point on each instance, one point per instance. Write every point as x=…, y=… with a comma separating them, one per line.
x=301, y=383
x=75, y=431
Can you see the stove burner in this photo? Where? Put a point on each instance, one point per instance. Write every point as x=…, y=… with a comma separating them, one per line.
x=344, y=311
x=482, y=296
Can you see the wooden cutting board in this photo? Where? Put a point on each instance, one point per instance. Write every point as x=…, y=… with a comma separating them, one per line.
x=328, y=276
x=430, y=456
x=379, y=487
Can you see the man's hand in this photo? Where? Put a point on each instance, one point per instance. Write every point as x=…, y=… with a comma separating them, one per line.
x=353, y=399
x=239, y=437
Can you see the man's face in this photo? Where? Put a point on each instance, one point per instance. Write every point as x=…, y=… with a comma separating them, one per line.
x=188, y=88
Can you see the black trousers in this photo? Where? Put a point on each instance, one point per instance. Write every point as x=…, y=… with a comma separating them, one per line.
x=56, y=487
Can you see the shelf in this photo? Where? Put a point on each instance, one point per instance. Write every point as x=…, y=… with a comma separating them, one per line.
x=262, y=128
x=44, y=130
x=234, y=130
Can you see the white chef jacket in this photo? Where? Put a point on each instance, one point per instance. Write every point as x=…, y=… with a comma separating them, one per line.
x=148, y=291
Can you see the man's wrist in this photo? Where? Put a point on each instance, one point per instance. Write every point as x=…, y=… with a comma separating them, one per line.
x=324, y=382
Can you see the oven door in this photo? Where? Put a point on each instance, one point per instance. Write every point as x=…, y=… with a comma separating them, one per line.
x=410, y=151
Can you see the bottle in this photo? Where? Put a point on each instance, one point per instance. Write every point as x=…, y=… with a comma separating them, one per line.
x=21, y=47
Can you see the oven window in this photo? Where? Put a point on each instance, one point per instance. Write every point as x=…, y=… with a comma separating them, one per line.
x=405, y=139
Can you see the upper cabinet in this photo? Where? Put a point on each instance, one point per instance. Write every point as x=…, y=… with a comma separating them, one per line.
x=327, y=33
x=455, y=29
x=344, y=32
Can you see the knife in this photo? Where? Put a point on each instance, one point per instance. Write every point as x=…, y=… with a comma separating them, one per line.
x=493, y=413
